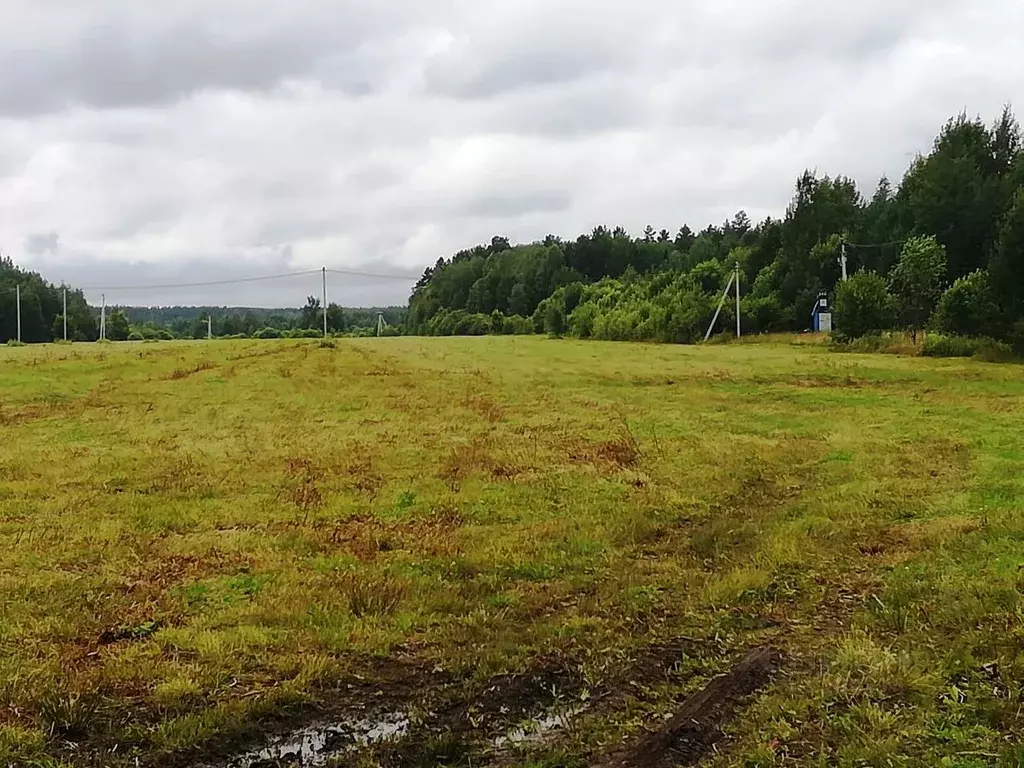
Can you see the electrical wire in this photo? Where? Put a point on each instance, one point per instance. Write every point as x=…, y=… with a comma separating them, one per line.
x=875, y=245
x=261, y=278
x=372, y=274
x=200, y=285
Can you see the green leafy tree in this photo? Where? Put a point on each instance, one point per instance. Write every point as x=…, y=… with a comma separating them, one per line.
x=554, y=316
x=336, y=320
x=118, y=326
x=312, y=315
x=863, y=305
x=57, y=331
x=1007, y=263
x=519, y=301
x=917, y=281
x=957, y=192
x=969, y=307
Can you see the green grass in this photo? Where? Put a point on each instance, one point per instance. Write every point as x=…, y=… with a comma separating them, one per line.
x=194, y=538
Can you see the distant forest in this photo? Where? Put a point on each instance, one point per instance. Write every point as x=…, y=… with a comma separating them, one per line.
x=42, y=317
x=191, y=322
x=943, y=249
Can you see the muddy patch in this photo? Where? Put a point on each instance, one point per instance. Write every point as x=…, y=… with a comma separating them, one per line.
x=697, y=724
x=539, y=728
x=317, y=745
x=489, y=724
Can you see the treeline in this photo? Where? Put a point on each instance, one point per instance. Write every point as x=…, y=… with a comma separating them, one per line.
x=962, y=202
x=190, y=322
x=42, y=319
x=42, y=307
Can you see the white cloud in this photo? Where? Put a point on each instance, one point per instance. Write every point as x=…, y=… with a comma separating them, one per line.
x=146, y=143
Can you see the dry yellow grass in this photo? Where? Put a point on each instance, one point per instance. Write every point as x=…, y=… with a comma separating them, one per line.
x=195, y=537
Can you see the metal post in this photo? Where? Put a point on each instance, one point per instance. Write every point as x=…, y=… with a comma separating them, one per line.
x=725, y=295
x=18, y=288
x=103, y=317
x=65, y=314
x=325, y=301
x=738, y=332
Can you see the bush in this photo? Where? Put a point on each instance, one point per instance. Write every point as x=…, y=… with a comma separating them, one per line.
x=554, y=317
x=302, y=333
x=887, y=343
x=863, y=306
x=136, y=336
x=968, y=308
x=15, y=343
x=516, y=325
x=267, y=333
x=164, y=335
x=986, y=349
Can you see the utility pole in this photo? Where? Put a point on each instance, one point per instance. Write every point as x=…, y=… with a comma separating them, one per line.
x=65, y=314
x=209, y=328
x=738, y=332
x=325, y=301
x=380, y=323
x=103, y=316
x=842, y=260
x=18, y=288
x=725, y=295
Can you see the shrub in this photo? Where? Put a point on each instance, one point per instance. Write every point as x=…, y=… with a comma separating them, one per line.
x=968, y=308
x=267, y=333
x=887, y=343
x=303, y=333
x=986, y=349
x=516, y=325
x=963, y=346
x=136, y=336
x=15, y=343
x=863, y=306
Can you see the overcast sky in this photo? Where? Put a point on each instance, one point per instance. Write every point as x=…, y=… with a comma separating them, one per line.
x=145, y=142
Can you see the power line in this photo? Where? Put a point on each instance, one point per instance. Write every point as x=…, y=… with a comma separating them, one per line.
x=875, y=245
x=238, y=280
x=200, y=285
x=372, y=274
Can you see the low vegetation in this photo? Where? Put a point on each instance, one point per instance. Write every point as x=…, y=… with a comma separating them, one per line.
x=200, y=542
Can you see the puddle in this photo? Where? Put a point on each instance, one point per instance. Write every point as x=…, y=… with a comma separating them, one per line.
x=537, y=729
x=318, y=744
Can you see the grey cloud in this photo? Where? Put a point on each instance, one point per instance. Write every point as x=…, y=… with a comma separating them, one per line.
x=482, y=72
x=500, y=205
x=217, y=139
x=39, y=243
x=120, y=57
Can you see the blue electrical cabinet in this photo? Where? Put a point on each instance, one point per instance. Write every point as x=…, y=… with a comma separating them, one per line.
x=821, y=317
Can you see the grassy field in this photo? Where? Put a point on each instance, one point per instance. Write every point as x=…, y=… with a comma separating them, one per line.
x=201, y=542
